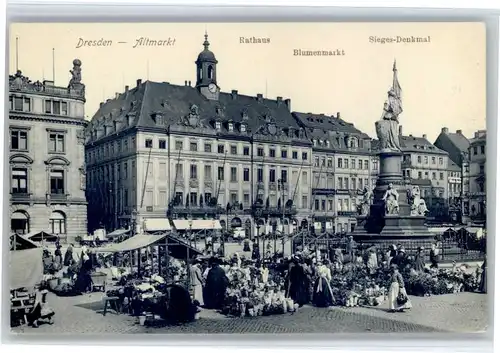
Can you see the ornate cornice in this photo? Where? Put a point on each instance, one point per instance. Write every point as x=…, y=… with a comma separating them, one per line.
x=57, y=119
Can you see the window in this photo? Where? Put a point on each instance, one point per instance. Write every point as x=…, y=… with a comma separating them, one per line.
x=162, y=144
x=246, y=151
x=441, y=176
x=346, y=163
x=340, y=183
x=260, y=175
x=218, y=125
x=208, y=148
x=304, y=156
x=284, y=153
x=366, y=164
x=56, y=142
x=179, y=171
x=353, y=183
x=178, y=145
x=234, y=198
x=330, y=163
x=234, y=177
x=149, y=143
x=56, y=108
x=18, y=140
x=323, y=161
x=482, y=149
x=64, y=109
x=304, y=178
x=179, y=198
x=193, y=171
x=208, y=172
x=475, y=150
x=48, y=107
x=426, y=160
x=360, y=164
x=316, y=205
x=339, y=163
x=272, y=153
x=323, y=205
x=234, y=149
x=220, y=173
x=353, y=164
x=426, y=175
x=304, y=202
x=284, y=176
x=230, y=127
x=57, y=223
x=295, y=155
x=272, y=175
x=243, y=128
x=19, y=181
x=246, y=199
x=481, y=169
x=193, y=146
x=420, y=175
x=330, y=205
x=440, y=160
x=316, y=161
x=246, y=174
x=481, y=187
x=419, y=159
x=375, y=165
x=433, y=175
x=366, y=182
x=208, y=198
x=360, y=184
x=260, y=152
x=57, y=182
x=220, y=148
x=193, y=199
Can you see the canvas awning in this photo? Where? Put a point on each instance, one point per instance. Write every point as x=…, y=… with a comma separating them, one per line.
x=157, y=224
x=136, y=242
x=26, y=268
x=117, y=233
x=197, y=224
x=42, y=236
x=19, y=242
x=441, y=230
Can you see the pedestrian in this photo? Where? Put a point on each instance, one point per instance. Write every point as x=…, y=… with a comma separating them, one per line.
x=482, y=281
x=68, y=255
x=372, y=262
x=434, y=256
x=323, y=294
x=350, y=248
x=398, y=298
x=216, y=284
x=418, y=262
x=196, y=279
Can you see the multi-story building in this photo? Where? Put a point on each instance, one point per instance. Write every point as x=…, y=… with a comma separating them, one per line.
x=457, y=146
x=477, y=157
x=46, y=157
x=454, y=191
x=196, y=152
x=424, y=161
x=341, y=170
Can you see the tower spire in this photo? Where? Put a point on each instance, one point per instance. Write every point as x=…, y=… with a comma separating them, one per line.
x=206, y=43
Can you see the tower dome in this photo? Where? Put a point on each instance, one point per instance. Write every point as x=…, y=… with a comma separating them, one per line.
x=206, y=55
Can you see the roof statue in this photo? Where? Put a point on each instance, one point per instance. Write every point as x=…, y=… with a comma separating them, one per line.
x=387, y=126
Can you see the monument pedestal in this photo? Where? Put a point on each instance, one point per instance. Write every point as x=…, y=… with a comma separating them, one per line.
x=377, y=228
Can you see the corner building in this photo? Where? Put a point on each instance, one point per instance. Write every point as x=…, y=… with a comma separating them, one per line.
x=160, y=150
x=46, y=163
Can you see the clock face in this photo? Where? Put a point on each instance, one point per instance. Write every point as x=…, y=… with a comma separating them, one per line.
x=212, y=87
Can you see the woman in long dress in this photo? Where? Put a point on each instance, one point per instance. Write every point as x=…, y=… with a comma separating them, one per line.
x=323, y=295
x=418, y=262
x=397, y=289
x=196, y=279
x=297, y=280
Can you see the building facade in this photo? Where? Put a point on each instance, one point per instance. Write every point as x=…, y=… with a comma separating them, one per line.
x=477, y=157
x=457, y=146
x=191, y=151
x=424, y=161
x=341, y=170
x=46, y=157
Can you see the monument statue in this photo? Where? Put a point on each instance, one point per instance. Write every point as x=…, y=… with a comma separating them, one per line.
x=76, y=73
x=387, y=126
x=417, y=204
x=391, y=199
x=366, y=202
x=422, y=208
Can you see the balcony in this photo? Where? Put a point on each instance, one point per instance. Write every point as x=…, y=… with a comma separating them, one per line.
x=56, y=198
x=21, y=197
x=274, y=211
x=195, y=210
x=321, y=191
x=347, y=213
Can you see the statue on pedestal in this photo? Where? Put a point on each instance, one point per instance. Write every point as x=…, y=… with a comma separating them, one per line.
x=391, y=199
x=417, y=204
x=76, y=73
x=387, y=126
x=366, y=202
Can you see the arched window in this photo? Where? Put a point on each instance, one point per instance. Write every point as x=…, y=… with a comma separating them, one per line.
x=19, y=222
x=57, y=223
x=210, y=72
x=200, y=73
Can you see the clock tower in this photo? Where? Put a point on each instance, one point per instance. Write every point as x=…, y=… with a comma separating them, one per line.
x=206, y=72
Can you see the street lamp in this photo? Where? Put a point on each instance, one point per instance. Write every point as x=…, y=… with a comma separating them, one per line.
x=188, y=258
x=133, y=221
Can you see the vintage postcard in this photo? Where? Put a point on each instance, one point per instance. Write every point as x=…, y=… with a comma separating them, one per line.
x=184, y=177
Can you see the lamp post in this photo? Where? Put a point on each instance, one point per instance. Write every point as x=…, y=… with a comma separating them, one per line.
x=188, y=258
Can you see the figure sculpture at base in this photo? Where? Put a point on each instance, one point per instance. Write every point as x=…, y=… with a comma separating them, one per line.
x=391, y=199
x=366, y=202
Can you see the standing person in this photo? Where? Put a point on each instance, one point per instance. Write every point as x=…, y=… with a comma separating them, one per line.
x=372, y=262
x=196, y=279
x=58, y=255
x=482, y=281
x=351, y=245
x=398, y=298
x=434, y=256
x=255, y=250
x=216, y=285
x=323, y=295
x=418, y=262
x=68, y=255
x=296, y=283
x=84, y=281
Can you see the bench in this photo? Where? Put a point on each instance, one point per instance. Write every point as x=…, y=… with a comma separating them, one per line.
x=114, y=304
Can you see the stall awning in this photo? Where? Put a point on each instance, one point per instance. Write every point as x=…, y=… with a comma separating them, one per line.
x=441, y=230
x=156, y=224
x=196, y=224
x=136, y=242
x=117, y=233
x=41, y=236
x=20, y=242
x=26, y=268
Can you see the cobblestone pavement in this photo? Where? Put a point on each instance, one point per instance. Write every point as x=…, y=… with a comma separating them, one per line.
x=464, y=312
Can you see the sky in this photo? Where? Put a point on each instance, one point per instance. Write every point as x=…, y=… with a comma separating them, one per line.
x=443, y=80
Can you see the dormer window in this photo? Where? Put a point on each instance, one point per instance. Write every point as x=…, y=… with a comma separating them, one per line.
x=230, y=127
x=106, y=129
x=327, y=143
x=243, y=128
x=217, y=125
x=314, y=142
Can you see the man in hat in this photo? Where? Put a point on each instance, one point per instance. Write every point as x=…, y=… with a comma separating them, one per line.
x=400, y=259
x=216, y=284
x=351, y=245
